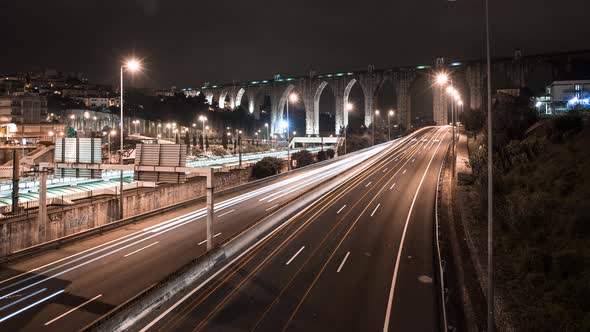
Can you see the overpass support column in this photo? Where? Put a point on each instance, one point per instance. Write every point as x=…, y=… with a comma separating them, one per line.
x=440, y=111
x=475, y=82
x=341, y=118
x=312, y=115
x=404, y=100
x=369, y=108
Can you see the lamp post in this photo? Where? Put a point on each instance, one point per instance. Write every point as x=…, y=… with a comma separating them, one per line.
x=131, y=65
x=203, y=118
x=84, y=118
x=292, y=98
x=389, y=115
x=349, y=108
x=239, y=148
x=376, y=113
x=112, y=133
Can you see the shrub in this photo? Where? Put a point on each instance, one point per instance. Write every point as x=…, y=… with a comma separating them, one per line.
x=218, y=151
x=322, y=155
x=303, y=158
x=266, y=167
x=331, y=153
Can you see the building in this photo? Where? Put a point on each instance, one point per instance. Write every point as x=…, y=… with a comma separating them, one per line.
x=562, y=96
x=23, y=108
x=98, y=102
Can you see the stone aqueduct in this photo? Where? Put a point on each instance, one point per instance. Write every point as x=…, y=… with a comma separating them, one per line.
x=511, y=73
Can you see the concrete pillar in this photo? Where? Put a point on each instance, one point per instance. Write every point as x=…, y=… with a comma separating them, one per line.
x=369, y=108
x=404, y=81
x=341, y=118
x=210, y=209
x=42, y=213
x=475, y=83
x=440, y=106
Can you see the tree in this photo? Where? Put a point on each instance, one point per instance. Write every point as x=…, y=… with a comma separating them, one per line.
x=322, y=155
x=303, y=158
x=224, y=141
x=194, y=139
x=70, y=132
x=187, y=141
x=207, y=142
x=177, y=138
x=331, y=153
x=266, y=167
x=201, y=142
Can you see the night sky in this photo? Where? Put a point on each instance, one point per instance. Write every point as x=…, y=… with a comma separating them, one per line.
x=186, y=43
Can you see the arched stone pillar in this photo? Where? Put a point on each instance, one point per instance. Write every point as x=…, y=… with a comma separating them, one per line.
x=403, y=81
x=475, y=83
x=221, y=101
x=312, y=120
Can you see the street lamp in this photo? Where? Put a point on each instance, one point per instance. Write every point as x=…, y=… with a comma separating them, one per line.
x=373, y=127
x=292, y=98
x=389, y=115
x=267, y=133
x=132, y=65
x=203, y=118
x=86, y=117
x=349, y=108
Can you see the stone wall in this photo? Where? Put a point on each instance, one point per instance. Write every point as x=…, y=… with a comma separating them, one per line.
x=22, y=232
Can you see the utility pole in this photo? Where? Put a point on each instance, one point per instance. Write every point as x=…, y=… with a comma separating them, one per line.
x=490, y=303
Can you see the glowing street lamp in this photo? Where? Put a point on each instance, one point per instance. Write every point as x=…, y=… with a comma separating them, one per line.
x=389, y=115
x=376, y=113
x=203, y=119
x=131, y=65
x=442, y=78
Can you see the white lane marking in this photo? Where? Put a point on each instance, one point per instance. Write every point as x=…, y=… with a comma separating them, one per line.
x=401, y=246
x=413, y=159
x=244, y=252
x=378, y=205
x=297, y=253
x=205, y=241
x=22, y=299
x=223, y=214
x=140, y=249
x=404, y=172
x=385, y=169
x=171, y=224
x=73, y=309
x=30, y=306
x=343, y=261
x=393, y=185
x=272, y=207
x=395, y=159
x=368, y=184
x=342, y=208
x=85, y=263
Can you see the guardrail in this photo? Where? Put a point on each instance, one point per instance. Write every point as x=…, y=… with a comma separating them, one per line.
x=125, y=315
x=439, y=262
x=57, y=243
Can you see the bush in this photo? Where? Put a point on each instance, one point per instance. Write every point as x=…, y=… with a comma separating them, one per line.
x=331, y=153
x=266, y=167
x=322, y=155
x=218, y=151
x=303, y=158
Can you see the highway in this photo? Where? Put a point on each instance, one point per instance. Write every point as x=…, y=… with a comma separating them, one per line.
x=65, y=289
x=360, y=258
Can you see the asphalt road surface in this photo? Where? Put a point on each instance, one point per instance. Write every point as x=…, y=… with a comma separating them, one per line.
x=360, y=258
x=65, y=289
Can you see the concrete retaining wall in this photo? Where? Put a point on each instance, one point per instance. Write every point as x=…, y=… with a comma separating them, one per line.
x=20, y=233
